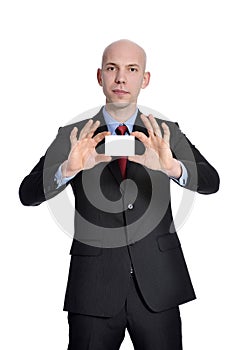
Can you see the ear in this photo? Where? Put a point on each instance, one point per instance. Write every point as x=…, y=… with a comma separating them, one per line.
x=146, y=80
x=99, y=77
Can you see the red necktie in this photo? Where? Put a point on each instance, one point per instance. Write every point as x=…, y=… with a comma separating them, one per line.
x=121, y=130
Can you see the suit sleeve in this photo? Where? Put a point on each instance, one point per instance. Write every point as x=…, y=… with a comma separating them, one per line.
x=40, y=184
x=202, y=176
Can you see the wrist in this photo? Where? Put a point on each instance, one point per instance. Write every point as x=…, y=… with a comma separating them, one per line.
x=65, y=171
x=175, y=170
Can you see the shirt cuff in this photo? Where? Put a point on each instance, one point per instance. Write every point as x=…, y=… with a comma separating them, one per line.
x=184, y=176
x=59, y=179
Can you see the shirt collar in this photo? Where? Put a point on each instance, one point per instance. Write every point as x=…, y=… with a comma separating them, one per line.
x=112, y=124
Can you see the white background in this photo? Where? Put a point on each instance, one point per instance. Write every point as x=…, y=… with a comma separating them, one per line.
x=50, y=51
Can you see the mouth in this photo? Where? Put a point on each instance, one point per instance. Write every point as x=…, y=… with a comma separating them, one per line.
x=120, y=92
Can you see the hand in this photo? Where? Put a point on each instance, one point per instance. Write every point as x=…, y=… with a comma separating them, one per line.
x=157, y=155
x=83, y=154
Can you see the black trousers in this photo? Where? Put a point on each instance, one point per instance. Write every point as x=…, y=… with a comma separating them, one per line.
x=148, y=330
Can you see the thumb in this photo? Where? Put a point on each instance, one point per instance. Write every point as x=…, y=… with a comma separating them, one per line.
x=102, y=158
x=136, y=159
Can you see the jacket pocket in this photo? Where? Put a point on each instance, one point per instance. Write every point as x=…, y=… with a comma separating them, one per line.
x=168, y=241
x=79, y=248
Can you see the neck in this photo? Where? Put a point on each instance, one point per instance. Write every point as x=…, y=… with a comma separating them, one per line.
x=121, y=112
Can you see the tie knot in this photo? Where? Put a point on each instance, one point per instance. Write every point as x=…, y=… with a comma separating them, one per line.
x=121, y=129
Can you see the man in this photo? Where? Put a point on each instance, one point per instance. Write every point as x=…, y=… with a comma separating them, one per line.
x=130, y=273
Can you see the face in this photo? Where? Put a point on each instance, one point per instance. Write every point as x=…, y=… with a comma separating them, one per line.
x=123, y=73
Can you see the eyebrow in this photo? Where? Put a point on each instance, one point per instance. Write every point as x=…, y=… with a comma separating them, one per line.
x=133, y=65
x=128, y=65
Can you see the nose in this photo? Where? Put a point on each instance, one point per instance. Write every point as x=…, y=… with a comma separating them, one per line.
x=120, y=77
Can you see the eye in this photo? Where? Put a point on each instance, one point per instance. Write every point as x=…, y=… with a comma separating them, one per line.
x=133, y=69
x=111, y=68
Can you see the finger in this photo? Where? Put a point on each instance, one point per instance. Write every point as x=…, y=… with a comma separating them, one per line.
x=99, y=137
x=155, y=126
x=85, y=129
x=73, y=137
x=166, y=132
x=92, y=129
x=141, y=136
x=103, y=158
x=146, y=122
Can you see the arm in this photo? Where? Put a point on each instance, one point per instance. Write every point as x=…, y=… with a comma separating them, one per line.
x=166, y=153
x=39, y=185
x=70, y=153
x=202, y=176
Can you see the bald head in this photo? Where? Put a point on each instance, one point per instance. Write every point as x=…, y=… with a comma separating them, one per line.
x=122, y=76
x=125, y=47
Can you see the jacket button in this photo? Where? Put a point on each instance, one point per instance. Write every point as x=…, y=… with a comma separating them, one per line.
x=130, y=206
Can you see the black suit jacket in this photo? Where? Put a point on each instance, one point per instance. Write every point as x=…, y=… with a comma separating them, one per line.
x=140, y=231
